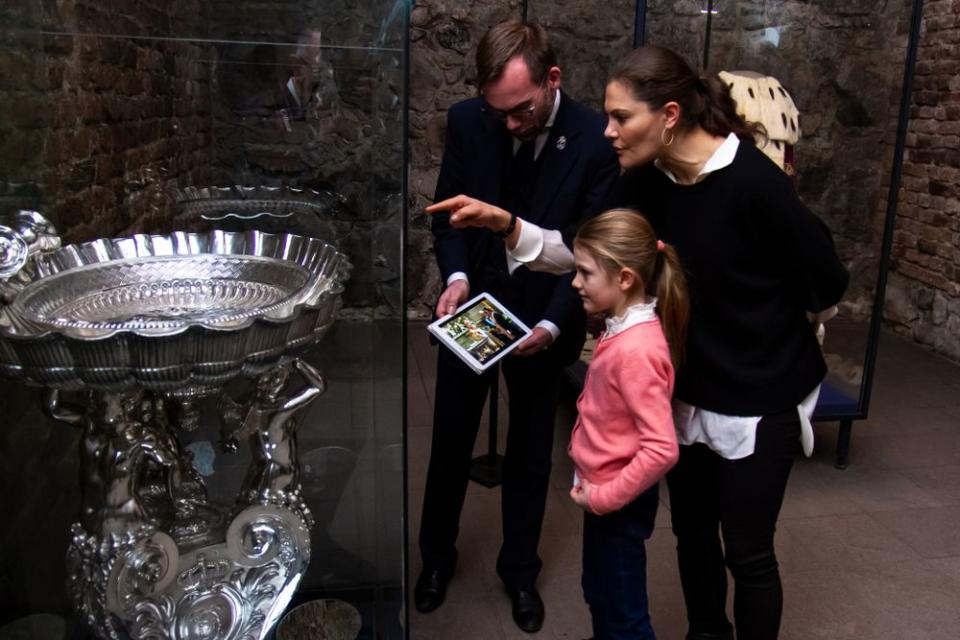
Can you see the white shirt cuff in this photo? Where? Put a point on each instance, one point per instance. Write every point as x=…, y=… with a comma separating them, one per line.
x=540, y=250
x=805, y=410
x=529, y=246
x=552, y=328
x=458, y=275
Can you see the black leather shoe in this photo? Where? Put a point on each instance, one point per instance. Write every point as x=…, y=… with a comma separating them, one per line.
x=430, y=590
x=527, y=609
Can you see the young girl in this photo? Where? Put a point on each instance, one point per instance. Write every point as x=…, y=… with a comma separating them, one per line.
x=624, y=440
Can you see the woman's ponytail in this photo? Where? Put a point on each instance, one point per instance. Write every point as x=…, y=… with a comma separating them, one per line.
x=718, y=112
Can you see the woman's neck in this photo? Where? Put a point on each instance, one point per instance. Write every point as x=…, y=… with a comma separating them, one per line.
x=689, y=152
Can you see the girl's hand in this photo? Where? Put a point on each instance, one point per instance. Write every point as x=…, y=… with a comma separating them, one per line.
x=581, y=494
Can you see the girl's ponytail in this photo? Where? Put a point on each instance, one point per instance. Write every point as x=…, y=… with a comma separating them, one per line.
x=673, y=302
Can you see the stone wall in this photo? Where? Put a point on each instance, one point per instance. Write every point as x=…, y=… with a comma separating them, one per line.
x=923, y=295
x=93, y=128
x=444, y=34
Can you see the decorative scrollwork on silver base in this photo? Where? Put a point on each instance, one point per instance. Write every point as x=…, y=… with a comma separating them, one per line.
x=151, y=558
x=262, y=534
x=139, y=586
x=216, y=598
x=109, y=573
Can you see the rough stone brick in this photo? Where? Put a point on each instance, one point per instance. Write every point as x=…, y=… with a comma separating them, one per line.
x=928, y=253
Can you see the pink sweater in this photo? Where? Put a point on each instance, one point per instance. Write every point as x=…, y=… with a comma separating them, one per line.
x=624, y=440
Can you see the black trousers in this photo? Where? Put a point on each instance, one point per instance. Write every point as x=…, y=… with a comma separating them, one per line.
x=741, y=499
x=533, y=384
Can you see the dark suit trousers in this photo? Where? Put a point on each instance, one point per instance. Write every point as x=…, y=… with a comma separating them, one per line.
x=533, y=384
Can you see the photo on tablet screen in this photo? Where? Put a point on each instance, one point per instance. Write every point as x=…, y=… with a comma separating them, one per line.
x=480, y=332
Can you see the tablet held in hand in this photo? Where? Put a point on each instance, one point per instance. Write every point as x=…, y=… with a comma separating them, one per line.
x=480, y=332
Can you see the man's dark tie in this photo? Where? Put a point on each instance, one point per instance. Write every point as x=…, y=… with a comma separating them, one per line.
x=523, y=165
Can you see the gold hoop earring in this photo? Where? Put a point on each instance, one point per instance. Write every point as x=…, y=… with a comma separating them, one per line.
x=663, y=139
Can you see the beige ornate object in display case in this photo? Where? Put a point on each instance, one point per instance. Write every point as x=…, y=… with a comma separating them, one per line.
x=763, y=99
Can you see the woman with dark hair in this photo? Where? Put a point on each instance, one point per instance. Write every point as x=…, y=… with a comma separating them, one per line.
x=761, y=268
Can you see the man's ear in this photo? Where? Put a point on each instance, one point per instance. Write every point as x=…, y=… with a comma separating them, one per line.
x=553, y=77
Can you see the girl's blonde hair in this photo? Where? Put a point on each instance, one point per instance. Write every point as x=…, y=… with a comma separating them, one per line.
x=623, y=238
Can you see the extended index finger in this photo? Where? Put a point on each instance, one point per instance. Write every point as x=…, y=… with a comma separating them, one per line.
x=449, y=204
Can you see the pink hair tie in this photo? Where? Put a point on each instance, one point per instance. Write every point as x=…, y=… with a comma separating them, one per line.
x=660, y=245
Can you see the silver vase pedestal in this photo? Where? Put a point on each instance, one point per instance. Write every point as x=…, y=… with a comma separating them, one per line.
x=130, y=336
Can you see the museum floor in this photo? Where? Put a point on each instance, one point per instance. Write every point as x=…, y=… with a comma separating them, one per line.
x=869, y=552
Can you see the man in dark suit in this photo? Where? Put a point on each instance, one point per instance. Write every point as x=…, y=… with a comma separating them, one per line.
x=521, y=150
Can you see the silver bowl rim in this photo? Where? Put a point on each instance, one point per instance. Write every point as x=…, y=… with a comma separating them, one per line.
x=251, y=243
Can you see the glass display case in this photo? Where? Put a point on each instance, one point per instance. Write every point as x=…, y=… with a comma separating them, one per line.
x=848, y=68
x=245, y=123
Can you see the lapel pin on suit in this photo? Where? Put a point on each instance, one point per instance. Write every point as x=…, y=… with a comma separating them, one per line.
x=561, y=143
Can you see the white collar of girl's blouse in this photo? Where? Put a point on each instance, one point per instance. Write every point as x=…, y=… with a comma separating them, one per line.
x=635, y=314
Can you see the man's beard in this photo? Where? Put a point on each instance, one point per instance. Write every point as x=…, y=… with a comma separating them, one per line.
x=544, y=109
x=535, y=130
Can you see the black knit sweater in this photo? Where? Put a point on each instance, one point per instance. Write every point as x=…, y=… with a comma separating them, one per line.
x=756, y=260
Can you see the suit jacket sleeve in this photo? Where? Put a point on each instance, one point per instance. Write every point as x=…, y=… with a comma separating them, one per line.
x=565, y=302
x=449, y=243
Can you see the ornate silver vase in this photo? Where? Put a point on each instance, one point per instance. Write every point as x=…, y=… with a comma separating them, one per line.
x=139, y=330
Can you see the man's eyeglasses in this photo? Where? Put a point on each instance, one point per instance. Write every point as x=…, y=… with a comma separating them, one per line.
x=521, y=112
x=517, y=113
